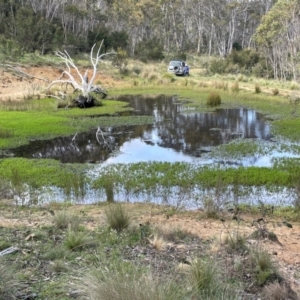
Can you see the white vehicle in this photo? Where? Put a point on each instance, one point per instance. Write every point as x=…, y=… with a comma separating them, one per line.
x=178, y=67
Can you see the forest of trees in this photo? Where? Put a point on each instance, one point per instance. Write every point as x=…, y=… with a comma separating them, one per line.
x=149, y=28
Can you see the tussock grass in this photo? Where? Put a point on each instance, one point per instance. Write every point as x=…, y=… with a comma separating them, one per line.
x=257, y=88
x=203, y=274
x=263, y=266
x=213, y=99
x=6, y=133
x=235, y=242
x=158, y=242
x=168, y=77
x=63, y=220
x=117, y=218
x=56, y=253
x=76, y=240
x=275, y=91
x=205, y=279
x=235, y=88
x=220, y=85
x=275, y=291
x=174, y=235
x=122, y=281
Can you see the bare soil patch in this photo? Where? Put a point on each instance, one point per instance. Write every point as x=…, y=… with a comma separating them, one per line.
x=16, y=86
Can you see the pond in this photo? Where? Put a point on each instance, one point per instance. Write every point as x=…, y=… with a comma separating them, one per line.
x=175, y=135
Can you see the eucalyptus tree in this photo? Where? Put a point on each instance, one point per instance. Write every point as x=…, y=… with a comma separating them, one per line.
x=279, y=37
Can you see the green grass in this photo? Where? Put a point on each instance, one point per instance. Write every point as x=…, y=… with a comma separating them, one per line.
x=8, y=283
x=39, y=172
x=77, y=240
x=40, y=119
x=263, y=267
x=213, y=99
x=117, y=218
x=125, y=281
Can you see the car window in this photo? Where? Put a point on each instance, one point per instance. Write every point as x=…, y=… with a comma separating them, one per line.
x=174, y=63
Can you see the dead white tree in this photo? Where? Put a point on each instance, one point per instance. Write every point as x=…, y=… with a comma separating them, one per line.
x=83, y=85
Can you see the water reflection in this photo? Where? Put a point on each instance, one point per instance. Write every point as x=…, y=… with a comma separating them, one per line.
x=174, y=135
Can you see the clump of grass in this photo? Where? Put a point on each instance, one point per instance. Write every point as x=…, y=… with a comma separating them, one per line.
x=275, y=92
x=152, y=76
x=210, y=208
x=234, y=242
x=137, y=70
x=4, y=245
x=168, y=77
x=158, y=242
x=124, y=281
x=240, y=77
x=5, y=133
x=203, y=275
x=221, y=85
x=55, y=253
x=64, y=220
x=175, y=235
x=116, y=217
x=213, y=99
x=7, y=282
x=257, y=88
x=76, y=240
x=294, y=86
x=263, y=266
x=235, y=87
x=275, y=291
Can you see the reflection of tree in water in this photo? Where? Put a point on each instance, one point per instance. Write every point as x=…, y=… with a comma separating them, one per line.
x=183, y=132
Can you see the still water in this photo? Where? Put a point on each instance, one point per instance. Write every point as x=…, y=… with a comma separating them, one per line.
x=175, y=135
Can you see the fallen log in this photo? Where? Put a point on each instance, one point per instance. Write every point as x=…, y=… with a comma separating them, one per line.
x=9, y=251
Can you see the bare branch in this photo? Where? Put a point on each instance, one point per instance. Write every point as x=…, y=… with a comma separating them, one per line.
x=85, y=86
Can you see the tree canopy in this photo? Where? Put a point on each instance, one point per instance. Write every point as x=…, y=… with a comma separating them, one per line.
x=148, y=28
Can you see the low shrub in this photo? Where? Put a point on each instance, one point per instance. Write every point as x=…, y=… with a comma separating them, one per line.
x=257, y=89
x=275, y=91
x=214, y=99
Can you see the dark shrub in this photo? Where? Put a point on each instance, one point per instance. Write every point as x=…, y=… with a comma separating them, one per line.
x=213, y=99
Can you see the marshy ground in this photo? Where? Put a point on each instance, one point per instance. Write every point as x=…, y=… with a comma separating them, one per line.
x=252, y=253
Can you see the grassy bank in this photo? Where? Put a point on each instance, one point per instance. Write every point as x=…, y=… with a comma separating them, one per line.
x=124, y=252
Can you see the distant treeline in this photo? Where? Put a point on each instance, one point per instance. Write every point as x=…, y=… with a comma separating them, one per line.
x=150, y=28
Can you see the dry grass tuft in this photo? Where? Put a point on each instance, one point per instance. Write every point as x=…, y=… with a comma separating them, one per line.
x=158, y=242
x=275, y=291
